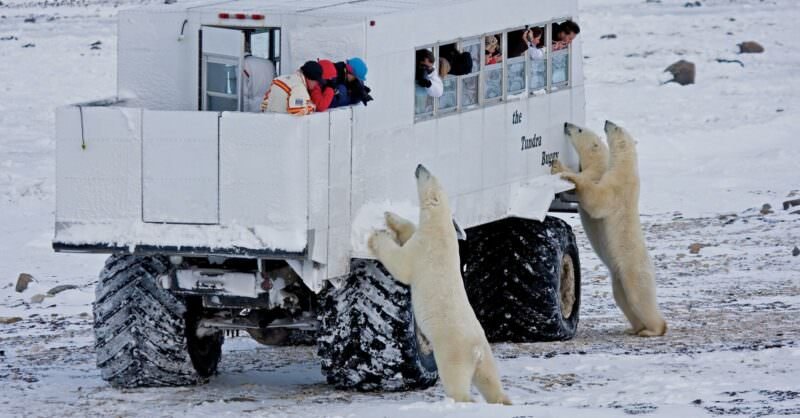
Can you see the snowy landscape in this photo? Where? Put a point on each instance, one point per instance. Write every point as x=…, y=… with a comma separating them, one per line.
x=717, y=159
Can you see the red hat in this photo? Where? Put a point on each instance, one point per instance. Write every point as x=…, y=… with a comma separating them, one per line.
x=328, y=69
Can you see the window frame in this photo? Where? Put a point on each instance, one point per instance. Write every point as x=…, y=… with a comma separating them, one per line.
x=482, y=102
x=224, y=60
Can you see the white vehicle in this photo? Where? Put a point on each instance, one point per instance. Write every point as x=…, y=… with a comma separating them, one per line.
x=222, y=219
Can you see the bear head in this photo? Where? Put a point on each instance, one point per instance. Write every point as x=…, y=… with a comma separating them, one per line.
x=592, y=150
x=431, y=193
x=620, y=143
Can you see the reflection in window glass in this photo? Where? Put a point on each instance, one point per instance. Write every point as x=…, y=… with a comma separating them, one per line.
x=423, y=104
x=448, y=101
x=560, y=66
x=221, y=103
x=469, y=91
x=538, y=80
x=474, y=50
x=516, y=75
x=221, y=78
x=493, y=81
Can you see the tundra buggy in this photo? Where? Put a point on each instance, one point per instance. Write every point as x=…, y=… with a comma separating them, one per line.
x=220, y=218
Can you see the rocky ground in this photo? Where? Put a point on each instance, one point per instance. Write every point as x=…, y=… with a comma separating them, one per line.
x=732, y=346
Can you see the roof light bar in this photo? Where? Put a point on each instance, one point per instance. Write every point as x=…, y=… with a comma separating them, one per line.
x=240, y=16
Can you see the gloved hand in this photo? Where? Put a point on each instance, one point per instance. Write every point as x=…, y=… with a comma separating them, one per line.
x=264, y=105
x=424, y=82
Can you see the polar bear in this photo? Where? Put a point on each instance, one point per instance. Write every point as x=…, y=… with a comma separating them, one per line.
x=593, y=156
x=611, y=202
x=426, y=258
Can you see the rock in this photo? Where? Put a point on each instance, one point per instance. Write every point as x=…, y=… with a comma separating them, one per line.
x=609, y=36
x=750, y=47
x=96, y=43
x=95, y=47
x=84, y=314
x=682, y=72
x=693, y=4
x=37, y=298
x=29, y=45
x=23, y=281
x=8, y=320
x=791, y=203
x=696, y=247
x=766, y=209
x=9, y=38
x=60, y=288
x=30, y=20
x=795, y=252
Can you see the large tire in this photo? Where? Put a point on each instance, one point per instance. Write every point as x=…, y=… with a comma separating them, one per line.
x=523, y=279
x=368, y=339
x=144, y=335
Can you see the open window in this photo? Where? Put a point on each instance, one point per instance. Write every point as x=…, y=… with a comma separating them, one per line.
x=537, y=56
x=492, y=66
x=563, y=34
x=423, y=103
x=449, y=67
x=517, y=47
x=470, y=81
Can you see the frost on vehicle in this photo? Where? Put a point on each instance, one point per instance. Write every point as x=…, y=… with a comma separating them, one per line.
x=232, y=219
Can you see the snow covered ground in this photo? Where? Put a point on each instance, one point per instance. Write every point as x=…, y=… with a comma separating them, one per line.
x=711, y=154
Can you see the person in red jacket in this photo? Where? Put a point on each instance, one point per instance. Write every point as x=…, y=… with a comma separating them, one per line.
x=321, y=93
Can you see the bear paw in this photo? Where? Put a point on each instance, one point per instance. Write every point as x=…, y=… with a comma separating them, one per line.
x=570, y=177
x=556, y=167
x=375, y=239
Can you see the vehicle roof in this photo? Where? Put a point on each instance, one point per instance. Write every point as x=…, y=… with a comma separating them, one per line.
x=352, y=9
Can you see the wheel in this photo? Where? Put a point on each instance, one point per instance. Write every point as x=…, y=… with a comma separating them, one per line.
x=368, y=339
x=523, y=279
x=144, y=335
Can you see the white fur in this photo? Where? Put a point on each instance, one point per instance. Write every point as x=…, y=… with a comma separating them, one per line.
x=608, y=192
x=426, y=258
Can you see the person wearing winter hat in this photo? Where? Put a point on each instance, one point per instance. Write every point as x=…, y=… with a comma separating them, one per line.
x=353, y=73
x=294, y=93
x=321, y=93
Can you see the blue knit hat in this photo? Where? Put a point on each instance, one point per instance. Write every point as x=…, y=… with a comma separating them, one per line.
x=358, y=67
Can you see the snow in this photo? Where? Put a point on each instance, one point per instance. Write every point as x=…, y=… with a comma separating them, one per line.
x=710, y=155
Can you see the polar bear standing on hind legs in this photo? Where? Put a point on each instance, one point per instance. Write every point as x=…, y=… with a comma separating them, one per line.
x=610, y=214
x=426, y=258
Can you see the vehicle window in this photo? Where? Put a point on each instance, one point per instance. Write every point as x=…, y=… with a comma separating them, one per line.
x=259, y=44
x=449, y=64
x=469, y=82
x=537, y=56
x=563, y=33
x=515, y=62
x=493, y=66
x=222, y=89
x=423, y=102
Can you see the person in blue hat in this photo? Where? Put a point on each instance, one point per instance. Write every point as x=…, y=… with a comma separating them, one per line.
x=352, y=74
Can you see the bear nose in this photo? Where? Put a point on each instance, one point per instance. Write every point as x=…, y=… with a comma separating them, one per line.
x=420, y=169
x=610, y=125
x=567, y=127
